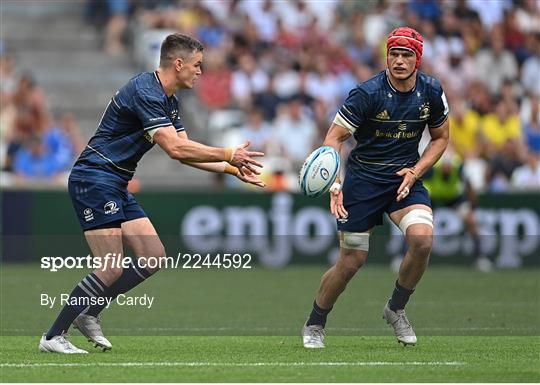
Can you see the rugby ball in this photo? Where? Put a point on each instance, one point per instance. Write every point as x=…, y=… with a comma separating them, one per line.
x=319, y=171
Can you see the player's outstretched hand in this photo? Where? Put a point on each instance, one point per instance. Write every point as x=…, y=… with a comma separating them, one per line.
x=336, y=205
x=409, y=177
x=243, y=159
x=247, y=176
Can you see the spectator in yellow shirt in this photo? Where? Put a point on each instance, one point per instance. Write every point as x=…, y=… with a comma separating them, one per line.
x=464, y=128
x=501, y=126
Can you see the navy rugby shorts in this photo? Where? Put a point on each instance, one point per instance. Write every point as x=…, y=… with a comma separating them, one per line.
x=366, y=202
x=97, y=204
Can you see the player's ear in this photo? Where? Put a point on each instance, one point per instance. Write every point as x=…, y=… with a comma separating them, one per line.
x=178, y=64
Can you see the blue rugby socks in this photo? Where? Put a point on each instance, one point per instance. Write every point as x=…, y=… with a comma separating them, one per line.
x=79, y=300
x=318, y=315
x=399, y=298
x=131, y=277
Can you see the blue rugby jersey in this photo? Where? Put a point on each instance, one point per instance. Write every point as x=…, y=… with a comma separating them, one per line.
x=388, y=124
x=126, y=129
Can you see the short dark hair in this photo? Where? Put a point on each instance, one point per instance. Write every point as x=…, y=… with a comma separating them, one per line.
x=178, y=45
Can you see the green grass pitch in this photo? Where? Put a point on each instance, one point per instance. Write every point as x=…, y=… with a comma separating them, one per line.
x=243, y=326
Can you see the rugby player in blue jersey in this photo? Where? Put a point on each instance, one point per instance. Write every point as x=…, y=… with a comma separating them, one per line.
x=142, y=113
x=386, y=115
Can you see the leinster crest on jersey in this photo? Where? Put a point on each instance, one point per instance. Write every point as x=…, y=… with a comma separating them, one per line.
x=424, y=110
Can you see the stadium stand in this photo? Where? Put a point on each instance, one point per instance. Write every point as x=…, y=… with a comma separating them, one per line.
x=276, y=57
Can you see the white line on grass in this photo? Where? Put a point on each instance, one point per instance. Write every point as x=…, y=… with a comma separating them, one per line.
x=230, y=364
x=236, y=329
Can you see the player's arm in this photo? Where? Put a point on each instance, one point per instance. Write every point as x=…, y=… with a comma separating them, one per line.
x=435, y=148
x=439, y=128
x=189, y=151
x=335, y=138
x=224, y=168
x=432, y=153
x=349, y=118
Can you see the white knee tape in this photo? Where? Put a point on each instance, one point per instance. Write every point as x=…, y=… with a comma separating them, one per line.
x=354, y=241
x=416, y=216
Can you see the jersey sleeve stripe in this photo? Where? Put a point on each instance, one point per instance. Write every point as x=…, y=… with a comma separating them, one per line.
x=339, y=120
x=346, y=109
x=345, y=117
x=114, y=101
x=438, y=125
x=180, y=129
x=157, y=125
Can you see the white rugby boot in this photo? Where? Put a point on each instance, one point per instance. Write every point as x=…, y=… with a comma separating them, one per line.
x=313, y=336
x=402, y=327
x=90, y=327
x=59, y=344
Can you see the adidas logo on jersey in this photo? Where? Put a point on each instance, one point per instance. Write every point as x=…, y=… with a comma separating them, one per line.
x=383, y=115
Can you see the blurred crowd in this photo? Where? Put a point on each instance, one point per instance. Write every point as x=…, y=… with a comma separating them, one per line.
x=288, y=65
x=275, y=72
x=34, y=145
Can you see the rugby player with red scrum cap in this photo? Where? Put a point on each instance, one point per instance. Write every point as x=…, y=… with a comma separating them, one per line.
x=386, y=115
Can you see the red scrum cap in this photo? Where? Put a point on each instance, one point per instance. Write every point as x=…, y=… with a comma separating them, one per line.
x=406, y=38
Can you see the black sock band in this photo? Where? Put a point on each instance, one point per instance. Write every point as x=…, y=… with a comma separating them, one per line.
x=320, y=310
x=318, y=315
x=141, y=271
x=400, y=297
